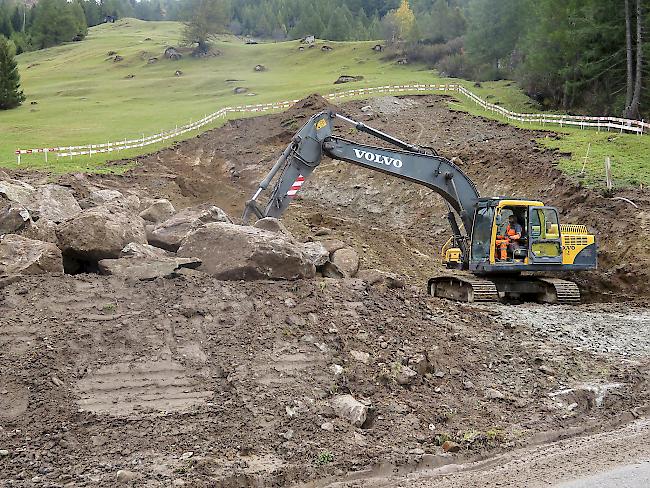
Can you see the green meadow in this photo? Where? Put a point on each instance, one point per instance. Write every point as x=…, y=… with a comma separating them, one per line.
x=77, y=94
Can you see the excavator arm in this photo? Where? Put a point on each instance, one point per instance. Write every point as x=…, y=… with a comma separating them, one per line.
x=413, y=163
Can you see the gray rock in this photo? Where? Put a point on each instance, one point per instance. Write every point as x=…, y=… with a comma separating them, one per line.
x=170, y=234
x=494, y=394
x=41, y=230
x=138, y=250
x=332, y=245
x=322, y=231
x=273, y=225
x=346, y=261
x=330, y=270
x=100, y=233
x=347, y=79
x=22, y=256
x=361, y=356
x=405, y=376
x=100, y=197
x=420, y=364
x=159, y=211
x=349, y=409
x=4, y=452
x=235, y=252
x=547, y=370
x=53, y=202
x=13, y=218
x=16, y=191
x=316, y=253
x=145, y=269
x=328, y=426
x=375, y=277
x=468, y=385
x=125, y=476
x=336, y=369
x=111, y=198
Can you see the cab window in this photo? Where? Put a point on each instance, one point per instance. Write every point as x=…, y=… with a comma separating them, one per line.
x=482, y=234
x=545, y=232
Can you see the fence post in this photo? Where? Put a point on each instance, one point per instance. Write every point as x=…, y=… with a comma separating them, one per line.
x=45, y=151
x=585, y=161
x=18, y=158
x=608, y=173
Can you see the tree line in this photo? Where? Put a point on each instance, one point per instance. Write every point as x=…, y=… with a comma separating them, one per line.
x=571, y=54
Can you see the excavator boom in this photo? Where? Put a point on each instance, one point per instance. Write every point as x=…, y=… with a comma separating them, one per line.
x=315, y=140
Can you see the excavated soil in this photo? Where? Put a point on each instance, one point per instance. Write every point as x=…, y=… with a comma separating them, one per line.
x=396, y=225
x=198, y=382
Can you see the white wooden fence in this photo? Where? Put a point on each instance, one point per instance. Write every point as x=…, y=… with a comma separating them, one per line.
x=600, y=123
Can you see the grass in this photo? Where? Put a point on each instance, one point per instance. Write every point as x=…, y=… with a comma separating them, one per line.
x=585, y=150
x=83, y=97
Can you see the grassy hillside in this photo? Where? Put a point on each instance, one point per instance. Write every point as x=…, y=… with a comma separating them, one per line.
x=82, y=96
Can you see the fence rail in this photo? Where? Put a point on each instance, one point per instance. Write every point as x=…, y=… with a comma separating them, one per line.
x=605, y=123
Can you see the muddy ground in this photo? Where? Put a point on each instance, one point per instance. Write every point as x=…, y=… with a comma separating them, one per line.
x=198, y=382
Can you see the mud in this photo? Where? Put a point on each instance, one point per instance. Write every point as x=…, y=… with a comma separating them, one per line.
x=240, y=374
x=210, y=383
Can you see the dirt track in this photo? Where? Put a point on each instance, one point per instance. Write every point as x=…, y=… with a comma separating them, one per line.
x=100, y=375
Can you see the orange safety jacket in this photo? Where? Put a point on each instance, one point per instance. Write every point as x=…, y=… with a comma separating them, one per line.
x=512, y=234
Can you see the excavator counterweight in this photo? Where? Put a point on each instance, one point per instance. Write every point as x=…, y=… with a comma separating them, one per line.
x=496, y=242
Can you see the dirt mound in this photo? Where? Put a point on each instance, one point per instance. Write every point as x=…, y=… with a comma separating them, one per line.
x=309, y=106
x=228, y=383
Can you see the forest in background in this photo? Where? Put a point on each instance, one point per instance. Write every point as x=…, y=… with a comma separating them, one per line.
x=577, y=55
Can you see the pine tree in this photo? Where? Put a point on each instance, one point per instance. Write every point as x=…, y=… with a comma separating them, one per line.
x=10, y=93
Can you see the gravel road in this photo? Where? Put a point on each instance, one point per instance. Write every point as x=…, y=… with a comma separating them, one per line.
x=603, y=328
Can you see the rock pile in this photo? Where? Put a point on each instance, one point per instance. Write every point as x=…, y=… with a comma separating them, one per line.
x=55, y=229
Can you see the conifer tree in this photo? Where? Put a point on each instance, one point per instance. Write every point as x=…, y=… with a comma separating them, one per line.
x=10, y=93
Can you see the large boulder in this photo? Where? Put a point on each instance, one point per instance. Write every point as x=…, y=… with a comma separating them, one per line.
x=170, y=234
x=100, y=233
x=41, y=230
x=53, y=202
x=16, y=191
x=19, y=255
x=344, y=264
x=146, y=268
x=13, y=218
x=159, y=211
x=235, y=252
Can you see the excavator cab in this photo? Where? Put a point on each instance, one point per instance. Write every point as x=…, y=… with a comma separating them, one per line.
x=538, y=246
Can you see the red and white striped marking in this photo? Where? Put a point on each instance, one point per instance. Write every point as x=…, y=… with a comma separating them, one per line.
x=40, y=150
x=296, y=186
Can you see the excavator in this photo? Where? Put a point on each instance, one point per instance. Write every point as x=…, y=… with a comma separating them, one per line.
x=481, y=265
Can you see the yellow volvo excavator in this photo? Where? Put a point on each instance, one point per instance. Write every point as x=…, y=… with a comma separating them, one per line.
x=485, y=260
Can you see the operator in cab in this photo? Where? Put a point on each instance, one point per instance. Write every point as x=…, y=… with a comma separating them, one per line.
x=513, y=234
x=509, y=243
